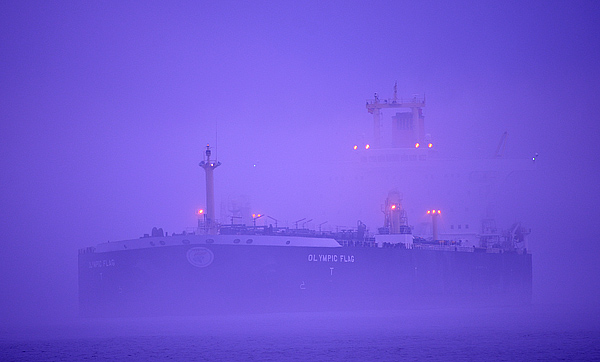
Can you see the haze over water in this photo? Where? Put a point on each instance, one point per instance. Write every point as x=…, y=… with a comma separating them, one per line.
x=106, y=107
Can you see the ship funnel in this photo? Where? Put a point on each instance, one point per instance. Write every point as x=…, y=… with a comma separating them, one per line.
x=209, y=165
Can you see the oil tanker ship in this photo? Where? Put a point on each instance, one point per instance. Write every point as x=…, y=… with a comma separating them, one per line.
x=240, y=268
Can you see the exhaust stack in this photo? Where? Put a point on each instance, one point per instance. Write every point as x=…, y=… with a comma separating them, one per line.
x=208, y=165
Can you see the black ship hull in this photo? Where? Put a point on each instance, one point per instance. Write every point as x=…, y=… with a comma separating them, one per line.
x=206, y=279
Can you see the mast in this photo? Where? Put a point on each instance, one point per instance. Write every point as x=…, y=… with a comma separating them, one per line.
x=209, y=165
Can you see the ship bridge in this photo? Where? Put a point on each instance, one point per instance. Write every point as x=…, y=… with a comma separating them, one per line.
x=408, y=128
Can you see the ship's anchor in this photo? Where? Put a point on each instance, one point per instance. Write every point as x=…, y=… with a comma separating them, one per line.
x=303, y=286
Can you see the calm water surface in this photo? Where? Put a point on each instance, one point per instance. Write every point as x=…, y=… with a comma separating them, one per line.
x=535, y=333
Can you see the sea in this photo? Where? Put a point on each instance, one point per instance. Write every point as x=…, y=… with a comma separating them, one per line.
x=529, y=333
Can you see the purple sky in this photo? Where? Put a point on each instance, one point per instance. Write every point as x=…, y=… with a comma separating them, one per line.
x=106, y=106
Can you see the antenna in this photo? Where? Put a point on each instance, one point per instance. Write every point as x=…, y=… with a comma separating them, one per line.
x=216, y=139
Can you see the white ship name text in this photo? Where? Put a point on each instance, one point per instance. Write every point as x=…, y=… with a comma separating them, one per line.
x=331, y=258
x=101, y=263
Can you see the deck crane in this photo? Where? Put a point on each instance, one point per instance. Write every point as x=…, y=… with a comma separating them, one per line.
x=501, y=146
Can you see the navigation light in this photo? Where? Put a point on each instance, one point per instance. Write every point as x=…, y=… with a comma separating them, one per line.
x=417, y=145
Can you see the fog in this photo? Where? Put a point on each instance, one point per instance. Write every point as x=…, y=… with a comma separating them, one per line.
x=106, y=109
